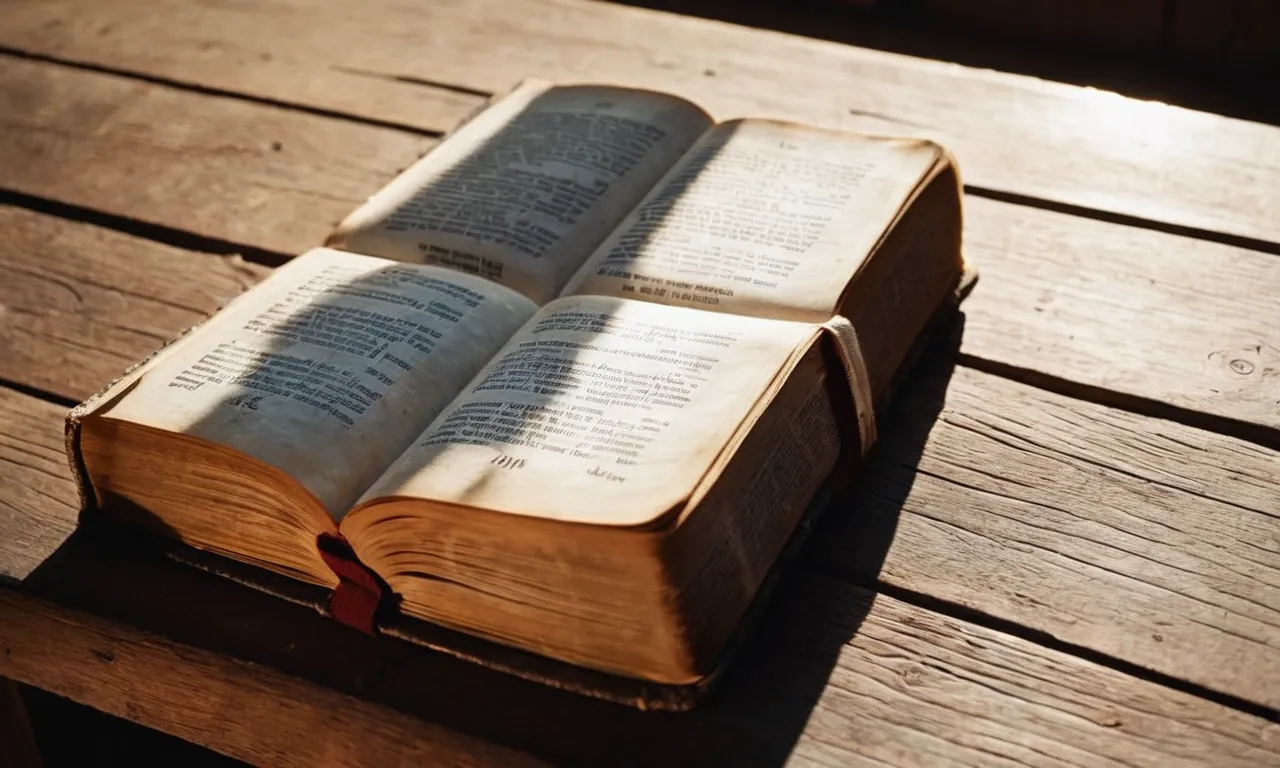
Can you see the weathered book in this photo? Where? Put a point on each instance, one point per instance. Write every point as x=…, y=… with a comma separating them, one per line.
x=567, y=385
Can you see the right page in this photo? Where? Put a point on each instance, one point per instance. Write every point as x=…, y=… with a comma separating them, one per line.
x=600, y=411
x=762, y=218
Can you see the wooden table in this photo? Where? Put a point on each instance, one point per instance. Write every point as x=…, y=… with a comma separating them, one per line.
x=1066, y=549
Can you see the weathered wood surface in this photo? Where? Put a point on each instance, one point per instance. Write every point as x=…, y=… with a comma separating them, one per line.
x=276, y=179
x=1094, y=303
x=1127, y=313
x=18, y=747
x=1147, y=160
x=1090, y=303
x=1144, y=539
x=1122, y=535
x=38, y=501
x=83, y=303
x=835, y=676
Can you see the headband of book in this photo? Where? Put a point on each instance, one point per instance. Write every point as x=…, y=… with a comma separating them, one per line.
x=855, y=369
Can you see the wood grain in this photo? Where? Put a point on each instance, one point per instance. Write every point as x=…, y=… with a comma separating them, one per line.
x=1146, y=540
x=242, y=710
x=1130, y=311
x=18, y=747
x=83, y=303
x=1011, y=133
x=272, y=178
x=38, y=502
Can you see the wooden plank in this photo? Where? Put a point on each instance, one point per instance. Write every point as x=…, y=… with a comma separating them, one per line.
x=1137, y=313
x=242, y=710
x=272, y=178
x=833, y=676
x=1146, y=540
x=18, y=748
x=83, y=303
x=1010, y=132
x=34, y=476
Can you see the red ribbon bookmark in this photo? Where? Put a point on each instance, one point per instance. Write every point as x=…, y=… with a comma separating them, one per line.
x=355, y=600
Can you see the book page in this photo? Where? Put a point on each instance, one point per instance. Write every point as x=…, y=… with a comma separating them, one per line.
x=524, y=192
x=329, y=368
x=600, y=410
x=760, y=218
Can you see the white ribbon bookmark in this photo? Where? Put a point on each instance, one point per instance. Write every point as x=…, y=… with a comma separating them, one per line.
x=855, y=369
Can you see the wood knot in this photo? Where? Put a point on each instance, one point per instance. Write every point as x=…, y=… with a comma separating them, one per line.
x=914, y=675
x=1242, y=366
x=1244, y=361
x=107, y=657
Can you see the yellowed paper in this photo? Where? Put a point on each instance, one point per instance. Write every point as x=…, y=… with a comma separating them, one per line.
x=329, y=368
x=760, y=218
x=600, y=410
x=524, y=192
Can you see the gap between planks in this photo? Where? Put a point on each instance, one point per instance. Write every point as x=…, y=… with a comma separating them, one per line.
x=207, y=90
x=1258, y=434
x=1048, y=640
x=159, y=233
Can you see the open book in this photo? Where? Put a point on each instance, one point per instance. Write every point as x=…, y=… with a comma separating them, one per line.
x=567, y=383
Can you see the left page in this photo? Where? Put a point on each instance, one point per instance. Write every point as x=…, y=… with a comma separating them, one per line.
x=329, y=368
x=600, y=410
x=527, y=189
